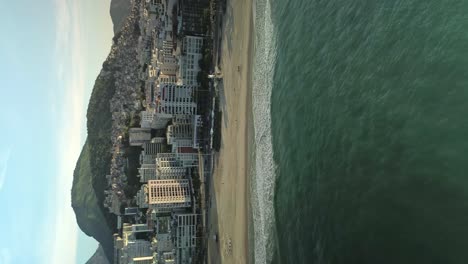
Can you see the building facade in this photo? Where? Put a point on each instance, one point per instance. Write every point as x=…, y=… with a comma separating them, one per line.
x=171, y=173
x=163, y=78
x=147, y=172
x=169, y=195
x=141, y=198
x=176, y=160
x=155, y=146
x=138, y=136
x=185, y=241
x=179, y=132
x=176, y=99
x=153, y=120
x=193, y=16
x=189, y=61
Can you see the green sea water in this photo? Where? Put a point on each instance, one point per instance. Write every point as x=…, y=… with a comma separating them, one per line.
x=369, y=130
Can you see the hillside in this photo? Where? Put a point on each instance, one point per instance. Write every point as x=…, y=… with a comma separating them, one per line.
x=89, y=181
x=88, y=213
x=119, y=10
x=117, y=78
x=99, y=257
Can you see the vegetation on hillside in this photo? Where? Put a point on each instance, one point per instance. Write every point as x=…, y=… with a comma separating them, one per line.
x=119, y=10
x=89, y=214
x=92, y=167
x=99, y=138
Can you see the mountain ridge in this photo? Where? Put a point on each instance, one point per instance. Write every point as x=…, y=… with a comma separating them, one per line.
x=89, y=176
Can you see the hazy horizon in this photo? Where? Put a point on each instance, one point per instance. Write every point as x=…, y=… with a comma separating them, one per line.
x=54, y=53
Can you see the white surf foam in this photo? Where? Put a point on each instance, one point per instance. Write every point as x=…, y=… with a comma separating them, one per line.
x=263, y=174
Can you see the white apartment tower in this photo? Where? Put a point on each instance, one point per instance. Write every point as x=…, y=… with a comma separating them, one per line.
x=179, y=132
x=151, y=119
x=147, y=172
x=138, y=136
x=180, y=160
x=168, y=173
x=154, y=147
x=163, y=78
x=169, y=195
x=185, y=236
x=176, y=99
x=186, y=225
x=191, y=55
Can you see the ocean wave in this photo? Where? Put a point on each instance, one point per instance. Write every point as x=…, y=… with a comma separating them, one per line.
x=263, y=174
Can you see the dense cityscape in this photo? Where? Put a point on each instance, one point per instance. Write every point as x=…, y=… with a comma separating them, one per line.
x=160, y=160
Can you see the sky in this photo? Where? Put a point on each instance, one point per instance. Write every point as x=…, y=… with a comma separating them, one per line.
x=51, y=51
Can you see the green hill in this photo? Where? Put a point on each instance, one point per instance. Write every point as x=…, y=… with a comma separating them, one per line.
x=89, y=180
x=119, y=10
x=88, y=213
x=94, y=163
x=99, y=257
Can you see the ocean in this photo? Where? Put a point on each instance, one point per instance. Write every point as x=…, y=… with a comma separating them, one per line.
x=360, y=111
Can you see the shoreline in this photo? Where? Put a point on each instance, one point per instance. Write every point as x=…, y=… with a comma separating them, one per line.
x=230, y=215
x=250, y=134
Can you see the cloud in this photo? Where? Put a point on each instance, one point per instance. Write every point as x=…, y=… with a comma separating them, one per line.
x=4, y=158
x=70, y=115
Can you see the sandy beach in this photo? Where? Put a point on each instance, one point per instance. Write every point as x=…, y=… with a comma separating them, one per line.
x=228, y=216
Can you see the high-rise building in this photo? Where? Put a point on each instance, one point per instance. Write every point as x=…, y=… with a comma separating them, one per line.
x=147, y=172
x=193, y=16
x=176, y=99
x=138, y=136
x=179, y=132
x=183, y=133
x=168, y=66
x=182, y=119
x=189, y=61
x=171, y=173
x=185, y=229
x=132, y=244
x=138, y=248
x=156, y=6
x=151, y=119
x=163, y=244
x=141, y=197
x=155, y=146
x=147, y=159
x=168, y=160
x=163, y=78
x=169, y=195
x=188, y=159
x=192, y=45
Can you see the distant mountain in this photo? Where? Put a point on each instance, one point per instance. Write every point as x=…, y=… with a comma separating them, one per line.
x=89, y=177
x=89, y=181
x=89, y=215
x=119, y=10
x=99, y=257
